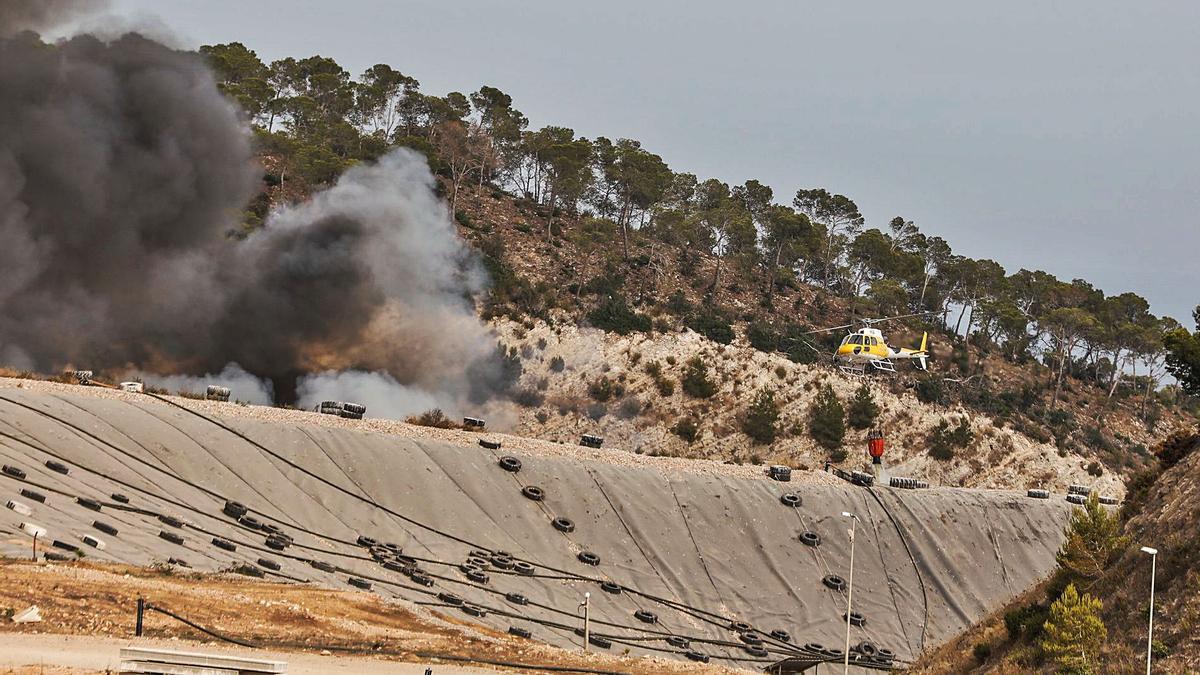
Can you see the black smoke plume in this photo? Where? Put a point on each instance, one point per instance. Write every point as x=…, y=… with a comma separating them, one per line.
x=122, y=168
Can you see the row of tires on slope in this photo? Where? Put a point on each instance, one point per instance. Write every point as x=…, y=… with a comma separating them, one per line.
x=1076, y=494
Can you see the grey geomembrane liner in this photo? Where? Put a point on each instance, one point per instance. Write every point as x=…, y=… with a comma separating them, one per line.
x=722, y=545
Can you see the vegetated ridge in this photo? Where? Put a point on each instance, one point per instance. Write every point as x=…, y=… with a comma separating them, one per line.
x=1033, y=380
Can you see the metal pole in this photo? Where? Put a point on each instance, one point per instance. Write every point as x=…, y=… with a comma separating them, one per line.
x=1150, y=633
x=587, y=628
x=35, y=546
x=141, y=610
x=850, y=594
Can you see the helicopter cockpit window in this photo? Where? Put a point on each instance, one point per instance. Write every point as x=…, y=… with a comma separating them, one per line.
x=856, y=339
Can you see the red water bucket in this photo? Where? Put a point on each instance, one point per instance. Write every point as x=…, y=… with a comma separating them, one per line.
x=875, y=446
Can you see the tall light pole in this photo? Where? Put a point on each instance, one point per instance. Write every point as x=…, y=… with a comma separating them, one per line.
x=1150, y=633
x=850, y=587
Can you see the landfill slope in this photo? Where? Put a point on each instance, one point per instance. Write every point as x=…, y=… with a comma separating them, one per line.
x=699, y=551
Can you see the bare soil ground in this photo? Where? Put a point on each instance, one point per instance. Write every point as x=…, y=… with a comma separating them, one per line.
x=299, y=622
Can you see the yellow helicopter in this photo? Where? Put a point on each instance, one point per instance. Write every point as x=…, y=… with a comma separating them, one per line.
x=867, y=347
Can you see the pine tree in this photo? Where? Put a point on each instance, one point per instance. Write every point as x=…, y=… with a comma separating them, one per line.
x=826, y=419
x=1074, y=632
x=1093, y=536
x=761, y=417
x=863, y=409
x=695, y=380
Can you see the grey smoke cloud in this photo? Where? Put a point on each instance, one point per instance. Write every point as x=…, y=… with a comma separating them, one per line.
x=38, y=15
x=122, y=167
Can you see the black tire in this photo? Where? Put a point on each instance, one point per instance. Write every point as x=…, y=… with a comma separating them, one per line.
x=600, y=641
x=14, y=472
x=474, y=610
x=359, y=583
x=234, y=509
x=268, y=564
x=1039, y=494
x=119, y=498
x=810, y=539
x=271, y=528
x=224, y=545
x=645, y=616
x=355, y=408
x=740, y=626
x=885, y=655
x=563, y=524
x=104, y=527
x=422, y=579
x=781, y=635
x=171, y=537
x=834, y=582
x=51, y=556
x=66, y=546
x=757, y=651
x=856, y=619
x=814, y=647
x=867, y=649
x=57, y=467
x=699, y=657
x=610, y=587
x=502, y=562
x=791, y=499
x=35, y=496
x=516, y=598
x=533, y=492
x=588, y=558
x=479, y=563
x=250, y=522
x=450, y=599
x=88, y=503
x=347, y=415
x=750, y=638
x=170, y=521
x=478, y=576
x=395, y=566
x=523, y=568
x=179, y=562
x=678, y=641
x=522, y=633
x=834, y=654
x=490, y=445
x=277, y=543
x=366, y=542
x=508, y=463
x=322, y=566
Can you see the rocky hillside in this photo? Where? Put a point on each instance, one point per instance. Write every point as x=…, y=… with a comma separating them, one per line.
x=975, y=419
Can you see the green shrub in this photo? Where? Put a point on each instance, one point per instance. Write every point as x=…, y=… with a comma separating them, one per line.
x=944, y=439
x=863, y=410
x=827, y=420
x=931, y=389
x=615, y=315
x=557, y=364
x=982, y=651
x=603, y=389
x=1025, y=621
x=762, y=336
x=711, y=325
x=762, y=417
x=695, y=380
x=686, y=429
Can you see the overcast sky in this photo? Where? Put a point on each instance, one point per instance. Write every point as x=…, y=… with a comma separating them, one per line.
x=1062, y=136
